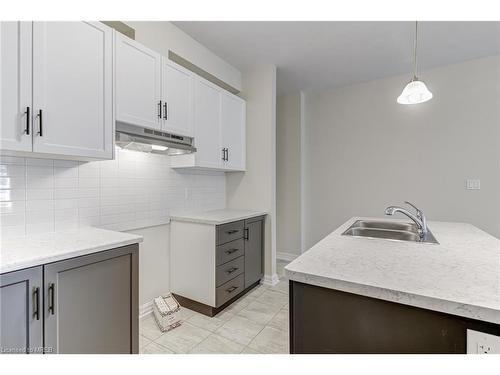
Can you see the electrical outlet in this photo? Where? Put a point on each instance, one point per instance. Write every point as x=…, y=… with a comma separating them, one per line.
x=473, y=184
x=482, y=343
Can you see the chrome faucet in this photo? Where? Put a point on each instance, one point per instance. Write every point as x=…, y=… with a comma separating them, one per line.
x=418, y=218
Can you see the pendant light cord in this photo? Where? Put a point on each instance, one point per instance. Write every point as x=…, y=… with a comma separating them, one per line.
x=415, y=52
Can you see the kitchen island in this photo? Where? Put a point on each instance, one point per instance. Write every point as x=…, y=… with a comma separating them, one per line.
x=364, y=295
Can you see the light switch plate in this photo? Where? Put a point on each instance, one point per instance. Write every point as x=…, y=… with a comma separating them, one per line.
x=473, y=184
x=482, y=343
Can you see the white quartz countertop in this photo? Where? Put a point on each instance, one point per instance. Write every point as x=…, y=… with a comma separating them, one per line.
x=30, y=251
x=216, y=217
x=459, y=276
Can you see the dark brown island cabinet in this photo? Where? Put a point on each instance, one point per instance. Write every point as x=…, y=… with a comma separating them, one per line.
x=329, y=321
x=82, y=305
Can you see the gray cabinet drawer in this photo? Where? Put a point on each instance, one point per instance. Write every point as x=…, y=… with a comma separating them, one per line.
x=230, y=232
x=229, y=270
x=229, y=290
x=230, y=251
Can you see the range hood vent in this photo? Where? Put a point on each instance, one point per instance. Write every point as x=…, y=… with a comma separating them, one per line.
x=137, y=138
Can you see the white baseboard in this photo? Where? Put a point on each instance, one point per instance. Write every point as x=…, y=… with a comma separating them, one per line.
x=145, y=309
x=271, y=280
x=286, y=256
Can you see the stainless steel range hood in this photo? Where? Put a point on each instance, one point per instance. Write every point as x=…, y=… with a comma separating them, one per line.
x=137, y=138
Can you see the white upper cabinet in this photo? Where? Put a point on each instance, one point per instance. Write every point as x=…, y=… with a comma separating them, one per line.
x=219, y=130
x=177, y=94
x=233, y=119
x=56, y=96
x=15, y=86
x=207, y=111
x=73, y=88
x=138, y=83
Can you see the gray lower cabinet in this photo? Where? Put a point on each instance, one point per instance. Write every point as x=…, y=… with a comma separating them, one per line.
x=91, y=303
x=87, y=304
x=20, y=311
x=254, y=229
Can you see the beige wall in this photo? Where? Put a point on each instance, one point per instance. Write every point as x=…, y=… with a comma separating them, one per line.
x=162, y=36
x=256, y=188
x=363, y=151
x=288, y=174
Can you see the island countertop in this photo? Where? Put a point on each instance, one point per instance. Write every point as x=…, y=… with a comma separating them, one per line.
x=459, y=276
x=34, y=250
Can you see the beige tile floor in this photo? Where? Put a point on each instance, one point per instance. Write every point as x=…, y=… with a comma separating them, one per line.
x=256, y=324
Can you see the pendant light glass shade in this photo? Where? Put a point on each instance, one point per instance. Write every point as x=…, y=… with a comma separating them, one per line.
x=415, y=92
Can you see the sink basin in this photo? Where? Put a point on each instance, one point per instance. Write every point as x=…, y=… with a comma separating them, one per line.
x=388, y=230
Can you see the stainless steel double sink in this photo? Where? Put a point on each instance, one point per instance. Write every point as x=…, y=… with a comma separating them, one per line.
x=388, y=230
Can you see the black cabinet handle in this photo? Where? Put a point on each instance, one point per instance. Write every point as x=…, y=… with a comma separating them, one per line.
x=227, y=154
x=230, y=251
x=40, y=127
x=36, y=303
x=223, y=154
x=165, y=111
x=232, y=231
x=27, y=130
x=247, y=234
x=159, y=109
x=51, y=299
x=231, y=270
x=232, y=289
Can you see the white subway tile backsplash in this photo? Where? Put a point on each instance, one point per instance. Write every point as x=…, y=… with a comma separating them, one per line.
x=40, y=162
x=12, y=207
x=16, y=182
x=66, y=193
x=39, y=205
x=12, y=170
x=134, y=190
x=34, y=194
x=12, y=195
x=66, y=183
x=12, y=160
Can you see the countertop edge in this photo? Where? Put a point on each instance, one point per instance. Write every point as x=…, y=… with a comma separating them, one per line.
x=215, y=222
x=67, y=255
x=430, y=303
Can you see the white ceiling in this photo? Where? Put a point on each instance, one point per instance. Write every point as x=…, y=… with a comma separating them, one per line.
x=312, y=55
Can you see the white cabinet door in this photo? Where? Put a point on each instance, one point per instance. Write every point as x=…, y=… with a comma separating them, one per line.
x=72, y=89
x=138, y=83
x=15, y=86
x=177, y=87
x=207, y=108
x=233, y=119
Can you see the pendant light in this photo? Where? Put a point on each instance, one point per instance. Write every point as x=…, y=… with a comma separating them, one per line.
x=415, y=91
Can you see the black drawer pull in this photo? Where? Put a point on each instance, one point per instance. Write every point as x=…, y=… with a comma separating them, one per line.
x=232, y=231
x=230, y=251
x=36, y=304
x=232, y=289
x=231, y=270
x=51, y=298
x=247, y=234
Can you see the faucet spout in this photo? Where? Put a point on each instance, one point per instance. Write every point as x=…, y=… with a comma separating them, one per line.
x=418, y=219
